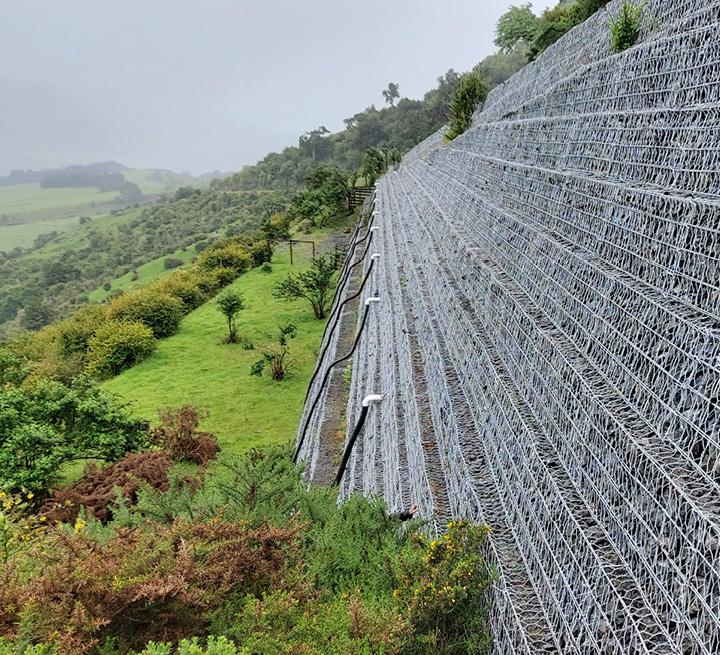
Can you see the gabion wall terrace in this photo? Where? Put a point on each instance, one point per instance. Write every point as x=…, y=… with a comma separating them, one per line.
x=548, y=340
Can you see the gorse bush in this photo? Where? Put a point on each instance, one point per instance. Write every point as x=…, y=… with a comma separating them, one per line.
x=118, y=345
x=159, y=311
x=215, y=646
x=468, y=95
x=232, y=255
x=625, y=27
x=187, y=286
x=256, y=558
x=74, y=333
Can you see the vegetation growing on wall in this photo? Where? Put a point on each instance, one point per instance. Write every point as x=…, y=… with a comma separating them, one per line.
x=521, y=29
x=624, y=28
x=469, y=94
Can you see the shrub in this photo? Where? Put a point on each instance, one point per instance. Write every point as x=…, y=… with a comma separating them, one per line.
x=98, y=489
x=215, y=646
x=46, y=424
x=468, y=95
x=261, y=252
x=445, y=591
x=107, y=286
x=118, y=345
x=266, y=267
x=223, y=276
x=74, y=333
x=277, y=227
x=373, y=165
x=299, y=621
x=144, y=584
x=276, y=357
x=172, y=262
x=315, y=285
x=625, y=27
x=227, y=254
x=231, y=303
x=178, y=434
x=186, y=286
x=306, y=226
x=157, y=310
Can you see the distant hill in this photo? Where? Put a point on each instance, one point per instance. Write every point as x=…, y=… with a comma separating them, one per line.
x=76, y=171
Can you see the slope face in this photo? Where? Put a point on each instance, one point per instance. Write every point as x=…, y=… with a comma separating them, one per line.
x=548, y=341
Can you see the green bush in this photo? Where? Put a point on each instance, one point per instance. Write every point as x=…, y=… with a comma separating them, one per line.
x=215, y=646
x=159, y=311
x=261, y=252
x=227, y=254
x=172, y=262
x=75, y=332
x=625, y=27
x=186, y=286
x=468, y=95
x=118, y=345
x=222, y=276
x=263, y=561
x=46, y=424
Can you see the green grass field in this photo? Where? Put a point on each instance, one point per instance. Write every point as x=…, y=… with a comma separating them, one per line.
x=24, y=234
x=194, y=366
x=153, y=270
x=28, y=198
x=33, y=211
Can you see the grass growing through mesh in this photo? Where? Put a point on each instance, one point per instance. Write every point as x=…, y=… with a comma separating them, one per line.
x=195, y=367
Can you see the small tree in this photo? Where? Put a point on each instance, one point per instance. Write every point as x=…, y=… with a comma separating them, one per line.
x=315, y=285
x=392, y=93
x=625, y=27
x=373, y=166
x=469, y=94
x=517, y=24
x=231, y=303
x=276, y=357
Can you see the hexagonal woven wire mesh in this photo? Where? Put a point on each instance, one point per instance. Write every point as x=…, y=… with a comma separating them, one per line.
x=548, y=340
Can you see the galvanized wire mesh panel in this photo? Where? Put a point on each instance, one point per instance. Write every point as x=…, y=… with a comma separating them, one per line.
x=548, y=341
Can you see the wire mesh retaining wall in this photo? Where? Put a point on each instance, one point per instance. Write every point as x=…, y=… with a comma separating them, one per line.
x=308, y=448
x=548, y=341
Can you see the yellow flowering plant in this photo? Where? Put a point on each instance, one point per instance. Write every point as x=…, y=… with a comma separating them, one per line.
x=446, y=591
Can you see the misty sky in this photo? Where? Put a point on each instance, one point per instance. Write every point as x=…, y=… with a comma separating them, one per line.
x=201, y=85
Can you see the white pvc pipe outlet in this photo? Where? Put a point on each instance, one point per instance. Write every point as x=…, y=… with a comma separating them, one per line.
x=372, y=398
x=372, y=299
x=375, y=255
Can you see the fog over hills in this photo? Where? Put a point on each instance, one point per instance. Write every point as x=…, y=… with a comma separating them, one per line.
x=199, y=86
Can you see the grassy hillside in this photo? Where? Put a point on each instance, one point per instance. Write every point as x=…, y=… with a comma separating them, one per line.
x=153, y=270
x=29, y=210
x=156, y=181
x=46, y=282
x=195, y=367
